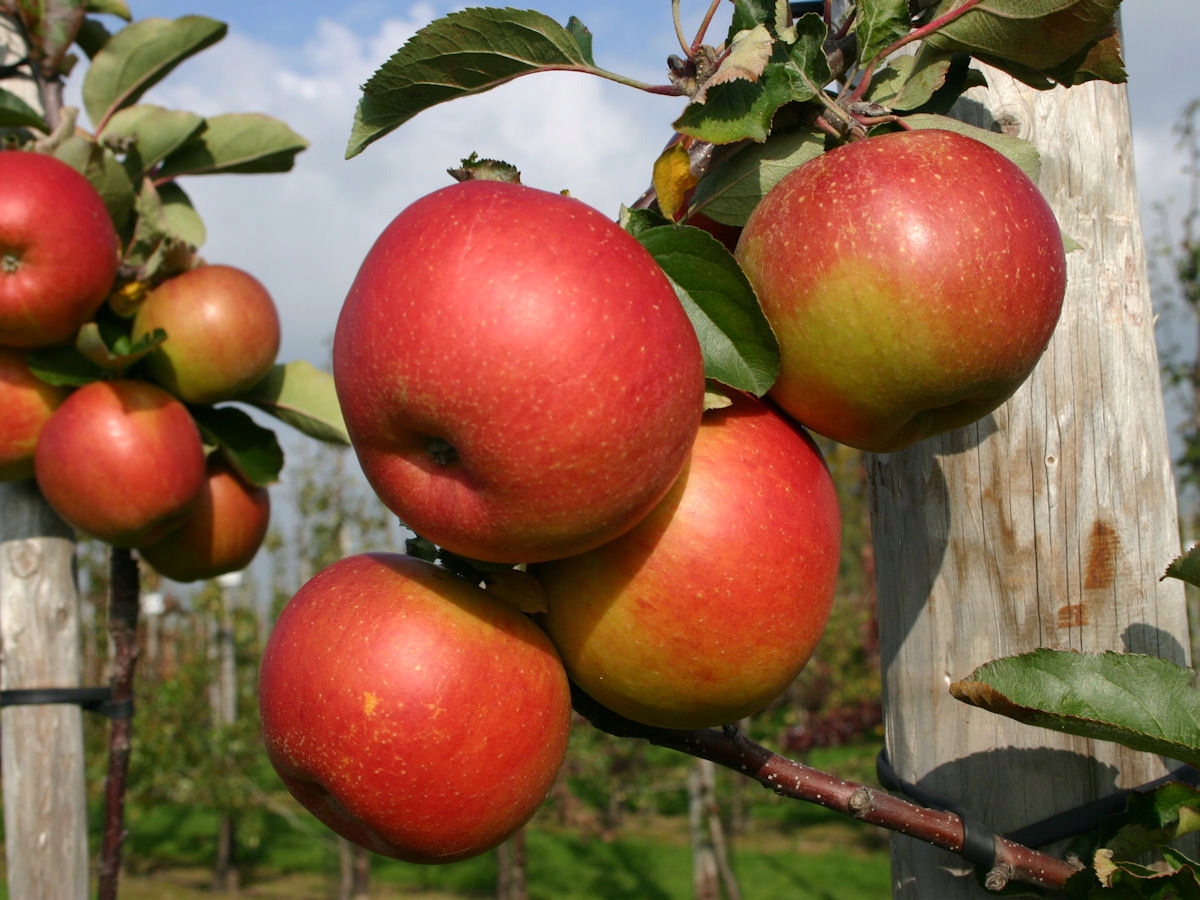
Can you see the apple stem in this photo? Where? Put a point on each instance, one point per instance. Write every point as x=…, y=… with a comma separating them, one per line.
x=730, y=748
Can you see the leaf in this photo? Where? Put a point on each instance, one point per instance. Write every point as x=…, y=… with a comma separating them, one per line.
x=1186, y=567
x=739, y=347
x=749, y=53
x=304, y=397
x=64, y=367
x=1122, y=880
x=182, y=221
x=1142, y=702
x=16, y=113
x=737, y=110
x=118, y=8
x=111, y=350
x=148, y=134
x=1151, y=819
x=1020, y=151
x=102, y=168
x=879, y=24
x=731, y=190
x=250, y=448
x=465, y=52
x=139, y=56
x=673, y=178
x=236, y=143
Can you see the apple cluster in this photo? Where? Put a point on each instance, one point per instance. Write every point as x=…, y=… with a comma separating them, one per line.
x=523, y=388
x=121, y=458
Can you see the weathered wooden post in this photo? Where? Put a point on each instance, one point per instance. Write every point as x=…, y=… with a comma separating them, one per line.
x=1048, y=524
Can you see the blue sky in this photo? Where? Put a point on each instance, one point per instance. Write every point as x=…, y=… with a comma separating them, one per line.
x=305, y=232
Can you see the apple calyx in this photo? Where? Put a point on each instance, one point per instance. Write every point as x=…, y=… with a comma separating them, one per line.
x=441, y=450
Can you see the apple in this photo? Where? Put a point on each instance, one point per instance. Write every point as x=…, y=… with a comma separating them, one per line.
x=913, y=281
x=411, y=712
x=710, y=607
x=221, y=534
x=222, y=333
x=517, y=375
x=121, y=460
x=26, y=402
x=58, y=250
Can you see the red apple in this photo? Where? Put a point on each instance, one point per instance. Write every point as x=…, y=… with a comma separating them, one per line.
x=122, y=461
x=913, y=280
x=26, y=402
x=222, y=333
x=58, y=250
x=518, y=377
x=710, y=607
x=221, y=534
x=411, y=712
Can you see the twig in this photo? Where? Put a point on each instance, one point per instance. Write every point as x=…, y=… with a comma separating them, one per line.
x=788, y=778
x=122, y=627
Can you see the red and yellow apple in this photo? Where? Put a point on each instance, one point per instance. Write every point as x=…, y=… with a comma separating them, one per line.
x=221, y=534
x=58, y=250
x=122, y=461
x=26, y=402
x=913, y=280
x=517, y=375
x=222, y=332
x=411, y=712
x=710, y=607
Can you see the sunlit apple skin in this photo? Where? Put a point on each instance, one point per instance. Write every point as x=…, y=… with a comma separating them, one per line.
x=121, y=460
x=913, y=280
x=518, y=377
x=411, y=712
x=26, y=402
x=221, y=534
x=708, y=609
x=58, y=250
x=222, y=328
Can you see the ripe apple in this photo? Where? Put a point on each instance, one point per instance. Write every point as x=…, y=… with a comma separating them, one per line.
x=913, y=280
x=517, y=375
x=222, y=333
x=58, y=250
x=221, y=534
x=26, y=402
x=411, y=712
x=710, y=607
x=121, y=461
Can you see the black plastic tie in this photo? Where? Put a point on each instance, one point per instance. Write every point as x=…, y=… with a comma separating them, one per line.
x=93, y=700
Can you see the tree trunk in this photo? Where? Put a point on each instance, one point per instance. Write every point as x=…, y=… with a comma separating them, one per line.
x=712, y=877
x=1047, y=524
x=512, y=879
x=45, y=810
x=224, y=701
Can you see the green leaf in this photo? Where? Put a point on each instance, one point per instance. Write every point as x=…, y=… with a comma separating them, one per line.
x=1020, y=151
x=139, y=56
x=16, y=113
x=737, y=110
x=879, y=24
x=251, y=449
x=465, y=52
x=146, y=135
x=729, y=192
x=739, y=347
x=1124, y=880
x=182, y=221
x=111, y=350
x=118, y=8
x=102, y=168
x=64, y=367
x=1151, y=819
x=1142, y=702
x=1186, y=567
x=165, y=219
x=304, y=397
x=241, y=143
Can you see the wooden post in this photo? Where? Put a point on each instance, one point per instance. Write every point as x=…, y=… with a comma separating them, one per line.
x=1048, y=524
x=45, y=812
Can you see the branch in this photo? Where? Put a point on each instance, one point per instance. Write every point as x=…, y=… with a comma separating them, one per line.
x=788, y=778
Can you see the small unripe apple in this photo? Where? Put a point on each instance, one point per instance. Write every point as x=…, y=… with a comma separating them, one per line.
x=709, y=608
x=26, y=402
x=58, y=250
x=222, y=331
x=913, y=281
x=518, y=377
x=410, y=711
x=221, y=534
x=120, y=460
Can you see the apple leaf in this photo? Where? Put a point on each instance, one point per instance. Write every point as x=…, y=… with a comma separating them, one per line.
x=1142, y=702
x=1152, y=818
x=165, y=218
x=110, y=349
x=1020, y=151
x=16, y=113
x=102, y=168
x=138, y=57
x=146, y=135
x=466, y=52
x=739, y=347
x=1186, y=567
x=304, y=397
x=729, y=192
x=1178, y=877
x=250, y=448
x=118, y=8
x=64, y=367
x=236, y=143
x=878, y=24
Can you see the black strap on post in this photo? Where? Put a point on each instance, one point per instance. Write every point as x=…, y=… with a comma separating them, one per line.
x=93, y=700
